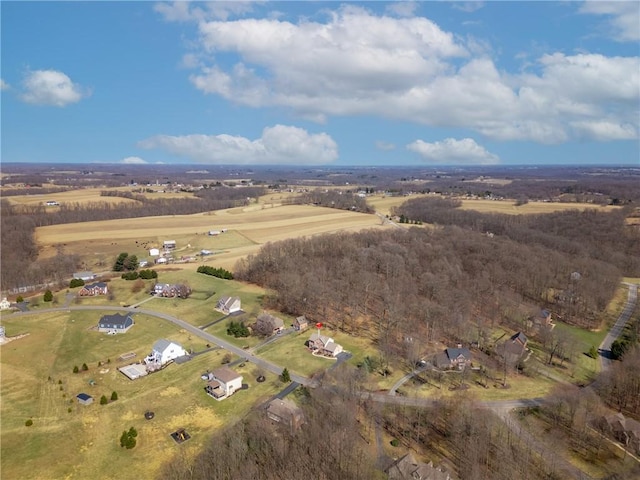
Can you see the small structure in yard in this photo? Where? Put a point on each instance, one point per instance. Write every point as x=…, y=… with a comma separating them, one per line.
x=301, y=323
x=229, y=304
x=453, y=358
x=161, y=260
x=223, y=382
x=93, y=289
x=5, y=304
x=84, y=399
x=169, y=244
x=408, y=468
x=154, y=252
x=285, y=412
x=163, y=352
x=86, y=276
x=213, y=233
x=134, y=371
x=323, y=345
x=180, y=435
x=148, y=415
x=115, y=323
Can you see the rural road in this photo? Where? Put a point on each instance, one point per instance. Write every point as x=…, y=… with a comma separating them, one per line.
x=618, y=327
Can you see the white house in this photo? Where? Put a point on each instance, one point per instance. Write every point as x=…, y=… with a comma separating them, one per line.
x=84, y=276
x=223, y=382
x=5, y=304
x=164, y=351
x=154, y=252
x=229, y=304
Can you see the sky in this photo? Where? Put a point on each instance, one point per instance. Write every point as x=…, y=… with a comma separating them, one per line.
x=321, y=83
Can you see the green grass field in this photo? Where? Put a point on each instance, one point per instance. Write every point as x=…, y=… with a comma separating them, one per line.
x=84, y=440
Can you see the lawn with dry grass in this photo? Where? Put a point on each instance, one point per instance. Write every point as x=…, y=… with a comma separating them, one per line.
x=68, y=440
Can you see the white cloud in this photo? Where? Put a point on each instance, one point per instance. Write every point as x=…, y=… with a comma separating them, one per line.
x=623, y=21
x=4, y=85
x=468, y=7
x=402, y=8
x=184, y=11
x=51, y=87
x=409, y=69
x=279, y=144
x=133, y=161
x=381, y=145
x=605, y=130
x=450, y=150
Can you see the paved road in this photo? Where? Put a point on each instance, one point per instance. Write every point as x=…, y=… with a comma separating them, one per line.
x=618, y=327
x=404, y=379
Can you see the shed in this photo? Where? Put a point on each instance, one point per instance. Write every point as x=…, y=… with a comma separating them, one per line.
x=84, y=399
x=154, y=252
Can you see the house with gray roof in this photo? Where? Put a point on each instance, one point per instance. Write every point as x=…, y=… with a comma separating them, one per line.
x=92, y=289
x=115, y=323
x=408, y=468
x=229, y=304
x=164, y=351
x=453, y=358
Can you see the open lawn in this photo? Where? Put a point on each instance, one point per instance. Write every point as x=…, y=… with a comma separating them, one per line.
x=68, y=440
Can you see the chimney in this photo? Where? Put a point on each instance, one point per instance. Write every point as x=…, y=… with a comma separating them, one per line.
x=459, y=345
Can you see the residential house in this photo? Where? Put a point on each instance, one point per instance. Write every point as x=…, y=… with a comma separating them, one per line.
x=324, y=345
x=171, y=290
x=223, y=382
x=164, y=351
x=267, y=324
x=115, y=323
x=408, y=468
x=169, y=244
x=154, y=252
x=93, y=289
x=86, y=276
x=229, y=305
x=624, y=429
x=285, y=412
x=542, y=320
x=453, y=358
x=84, y=399
x=514, y=348
x=5, y=304
x=301, y=323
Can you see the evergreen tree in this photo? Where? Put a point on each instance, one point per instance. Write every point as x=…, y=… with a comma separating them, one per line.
x=48, y=296
x=285, y=376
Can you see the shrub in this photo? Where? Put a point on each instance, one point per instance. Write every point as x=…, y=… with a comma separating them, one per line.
x=285, y=376
x=76, y=282
x=48, y=296
x=395, y=442
x=114, y=396
x=148, y=274
x=19, y=299
x=130, y=275
x=28, y=423
x=103, y=400
x=226, y=359
x=76, y=369
x=59, y=382
x=238, y=329
x=128, y=438
x=593, y=352
x=84, y=367
x=69, y=409
x=215, y=272
x=137, y=286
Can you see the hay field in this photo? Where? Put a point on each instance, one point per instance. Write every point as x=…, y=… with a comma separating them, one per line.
x=88, y=195
x=81, y=442
x=98, y=243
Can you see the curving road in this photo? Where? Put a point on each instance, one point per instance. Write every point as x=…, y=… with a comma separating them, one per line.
x=618, y=327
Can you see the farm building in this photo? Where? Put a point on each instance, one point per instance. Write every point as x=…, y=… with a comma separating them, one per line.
x=116, y=323
x=169, y=244
x=154, y=252
x=164, y=351
x=223, y=382
x=98, y=288
x=229, y=304
x=84, y=399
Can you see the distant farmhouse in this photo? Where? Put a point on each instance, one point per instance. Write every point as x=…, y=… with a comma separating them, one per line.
x=229, y=305
x=163, y=352
x=115, y=323
x=323, y=345
x=541, y=321
x=169, y=244
x=223, y=382
x=453, y=358
x=86, y=276
x=285, y=412
x=93, y=289
x=5, y=304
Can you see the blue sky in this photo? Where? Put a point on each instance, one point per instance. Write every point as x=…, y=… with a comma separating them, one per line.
x=321, y=83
